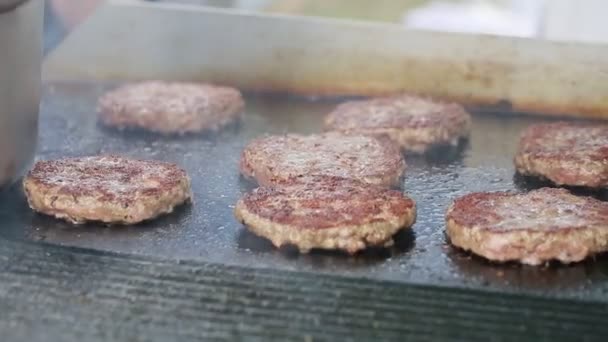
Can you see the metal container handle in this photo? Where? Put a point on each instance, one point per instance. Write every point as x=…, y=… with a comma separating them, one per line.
x=9, y=5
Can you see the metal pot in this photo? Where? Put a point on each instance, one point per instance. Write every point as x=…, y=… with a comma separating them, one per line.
x=20, y=63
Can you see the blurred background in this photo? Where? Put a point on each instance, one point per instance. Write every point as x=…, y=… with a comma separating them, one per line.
x=561, y=20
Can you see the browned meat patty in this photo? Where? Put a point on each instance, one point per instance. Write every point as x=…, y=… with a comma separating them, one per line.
x=565, y=153
x=415, y=123
x=170, y=107
x=276, y=159
x=109, y=189
x=543, y=225
x=326, y=213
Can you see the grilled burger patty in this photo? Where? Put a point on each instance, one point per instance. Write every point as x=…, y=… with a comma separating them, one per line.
x=415, y=123
x=170, y=107
x=327, y=213
x=109, y=189
x=276, y=159
x=565, y=153
x=532, y=228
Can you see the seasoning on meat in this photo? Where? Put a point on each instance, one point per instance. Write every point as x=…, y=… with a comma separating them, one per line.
x=326, y=213
x=276, y=159
x=170, y=107
x=417, y=124
x=566, y=153
x=108, y=189
x=532, y=228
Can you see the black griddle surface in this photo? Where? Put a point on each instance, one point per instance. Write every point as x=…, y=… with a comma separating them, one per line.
x=207, y=231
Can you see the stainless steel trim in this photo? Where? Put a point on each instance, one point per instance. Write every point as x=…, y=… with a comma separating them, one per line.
x=20, y=62
x=124, y=41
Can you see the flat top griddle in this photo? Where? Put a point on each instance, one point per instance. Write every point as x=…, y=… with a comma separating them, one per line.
x=208, y=231
x=211, y=243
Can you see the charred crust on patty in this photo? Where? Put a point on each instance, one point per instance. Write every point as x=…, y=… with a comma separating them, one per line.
x=110, y=189
x=532, y=228
x=565, y=153
x=326, y=213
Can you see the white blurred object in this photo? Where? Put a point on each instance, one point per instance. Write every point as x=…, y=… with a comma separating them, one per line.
x=582, y=21
x=520, y=18
x=242, y=4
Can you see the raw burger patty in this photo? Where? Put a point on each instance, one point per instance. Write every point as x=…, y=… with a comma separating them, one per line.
x=565, y=153
x=415, y=123
x=276, y=159
x=170, y=107
x=326, y=213
x=109, y=189
x=531, y=228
